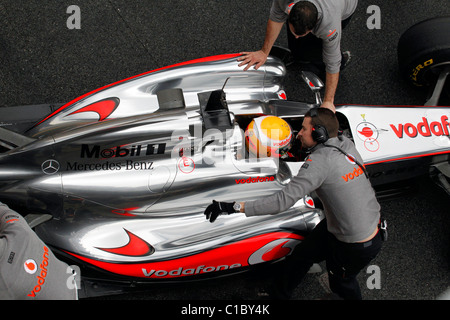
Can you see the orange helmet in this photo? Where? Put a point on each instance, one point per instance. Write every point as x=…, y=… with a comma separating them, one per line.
x=268, y=136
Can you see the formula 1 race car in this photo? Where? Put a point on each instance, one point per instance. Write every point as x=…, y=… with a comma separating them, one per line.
x=117, y=180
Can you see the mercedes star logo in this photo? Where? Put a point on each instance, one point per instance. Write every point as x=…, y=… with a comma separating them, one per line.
x=50, y=166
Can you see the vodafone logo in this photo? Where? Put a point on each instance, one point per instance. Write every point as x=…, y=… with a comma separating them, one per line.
x=282, y=95
x=424, y=128
x=273, y=250
x=309, y=202
x=350, y=159
x=30, y=266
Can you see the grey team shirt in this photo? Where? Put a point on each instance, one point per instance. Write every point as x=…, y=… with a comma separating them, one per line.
x=350, y=206
x=328, y=28
x=28, y=269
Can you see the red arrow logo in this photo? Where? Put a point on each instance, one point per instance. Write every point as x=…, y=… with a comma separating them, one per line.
x=136, y=247
x=103, y=108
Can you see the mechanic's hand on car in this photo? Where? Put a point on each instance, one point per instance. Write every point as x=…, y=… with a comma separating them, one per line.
x=218, y=208
x=329, y=105
x=256, y=58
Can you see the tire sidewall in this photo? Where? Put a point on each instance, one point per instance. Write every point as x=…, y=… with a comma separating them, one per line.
x=423, y=47
x=418, y=71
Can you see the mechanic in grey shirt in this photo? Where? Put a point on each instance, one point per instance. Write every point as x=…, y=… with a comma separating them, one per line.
x=28, y=269
x=348, y=237
x=314, y=34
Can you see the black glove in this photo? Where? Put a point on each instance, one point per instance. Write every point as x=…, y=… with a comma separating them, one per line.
x=218, y=208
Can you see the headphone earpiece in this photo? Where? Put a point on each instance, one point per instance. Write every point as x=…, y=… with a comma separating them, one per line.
x=319, y=134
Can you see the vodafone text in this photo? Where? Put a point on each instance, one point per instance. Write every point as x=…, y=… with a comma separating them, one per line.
x=254, y=180
x=424, y=128
x=42, y=275
x=189, y=271
x=351, y=175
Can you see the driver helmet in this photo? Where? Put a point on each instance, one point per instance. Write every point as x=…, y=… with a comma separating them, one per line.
x=268, y=136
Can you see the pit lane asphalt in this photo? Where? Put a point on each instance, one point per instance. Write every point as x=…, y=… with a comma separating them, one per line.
x=42, y=61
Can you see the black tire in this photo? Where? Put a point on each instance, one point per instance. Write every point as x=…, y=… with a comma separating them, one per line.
x=423, y=50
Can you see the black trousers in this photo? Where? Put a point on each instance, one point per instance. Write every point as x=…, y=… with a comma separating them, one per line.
x=343, y=262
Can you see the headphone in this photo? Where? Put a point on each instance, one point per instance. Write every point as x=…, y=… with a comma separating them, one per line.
x=320, y=135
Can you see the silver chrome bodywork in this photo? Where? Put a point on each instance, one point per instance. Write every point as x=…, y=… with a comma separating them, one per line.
x=134, y=171
x=126, y=174
x=138, y=95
